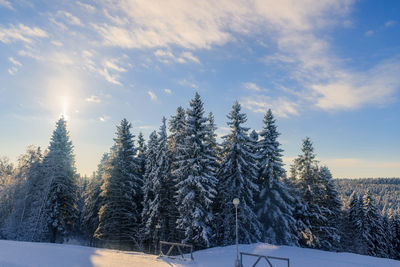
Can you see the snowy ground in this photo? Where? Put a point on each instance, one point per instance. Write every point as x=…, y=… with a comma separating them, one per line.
x=21, y=254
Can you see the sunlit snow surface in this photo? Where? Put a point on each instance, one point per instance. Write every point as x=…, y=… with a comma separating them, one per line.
x=21, y=254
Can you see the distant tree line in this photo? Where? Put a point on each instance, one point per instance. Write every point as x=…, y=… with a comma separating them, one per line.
x=179, y=185
x=386, y=191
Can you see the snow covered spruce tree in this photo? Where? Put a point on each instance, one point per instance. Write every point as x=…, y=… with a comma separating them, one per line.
x=274, y=202
x=119, y=216
x=59, y=167
x=159, y=184
x=93, y=202
x=373, y=231
x=196, y=181
x=176, y=146
x=352, y=231
x=141, y=154
x=331, y=205
x=387, y=233
x=253, y=147
x=214, y=150
x=176, y=139
x=306, y=176
x=20, y=224
x=394, y=219
x=33, y=225
x=237, y=178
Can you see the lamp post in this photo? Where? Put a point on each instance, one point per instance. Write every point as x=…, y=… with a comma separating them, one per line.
x=158, y=226
x=236, y=203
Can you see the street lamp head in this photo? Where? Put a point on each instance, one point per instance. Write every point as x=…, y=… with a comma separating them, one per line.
x=236, y=201
x=158, y=226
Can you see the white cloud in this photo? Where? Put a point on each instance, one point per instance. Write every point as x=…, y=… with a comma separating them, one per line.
x=71, y=19
x=111, y=78
x=168, y=91
x=186, y=83
x=21, y=32
x=111, y=69
x=189, y=56
x=31, y=54
x=166, y=56
x=104, y=118
x=292, y=27
x=57, y=43
x=152, y=95
x=390, y=23
x=351, y=90
x=61, y=25
x=13, y=70
x=88, y=7
x=112, y=65
x=93, y=99
x=369, y=33
x=16, y=64
x=281, y=106
x=203, y=24
x=252, y=87
x=6, y=4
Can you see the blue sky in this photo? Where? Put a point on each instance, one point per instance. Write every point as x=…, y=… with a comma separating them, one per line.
x=329, y=70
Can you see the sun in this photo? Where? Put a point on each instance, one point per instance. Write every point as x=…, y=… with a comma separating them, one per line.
x=64, y=104
x=63, y=93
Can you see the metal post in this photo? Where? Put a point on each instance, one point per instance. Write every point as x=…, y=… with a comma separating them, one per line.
x=236, y=202
x=158, y=227
x=237, y=239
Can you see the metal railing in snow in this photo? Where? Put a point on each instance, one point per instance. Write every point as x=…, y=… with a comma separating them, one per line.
x=260, y=257
x=178, y=246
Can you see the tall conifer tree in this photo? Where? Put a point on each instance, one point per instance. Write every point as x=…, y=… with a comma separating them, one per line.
x=306, y=177
x=196, y=187
x=148, y=194
x=119, y=216
x=274, y=202
x=162, y=186
x=93, y=201
x=61, y=207
x=237, y=179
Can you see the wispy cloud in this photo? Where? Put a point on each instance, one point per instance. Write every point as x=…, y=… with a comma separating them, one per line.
x=16, y=65
x=57, y=43
x=351, y=90
x=186, y=83
x=168, y=91
x=281, y=106
x=390, y=23
x=104, y=118
x=93, y=99
x=111, y=71
x=69, y=18
x=59, y=24
x=15, y=62
x=252, y=87
x=190, y=57
x=166, y=56
x=152, y=95
x=6, y=4
x=203, y=24
x=86, y=6
x=369, y=33
x=21, y=33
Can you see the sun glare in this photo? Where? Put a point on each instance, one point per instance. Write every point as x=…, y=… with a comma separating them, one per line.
x=63, y=93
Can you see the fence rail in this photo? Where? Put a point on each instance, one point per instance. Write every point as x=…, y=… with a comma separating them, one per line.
x=259, y=257
x=171, y=248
